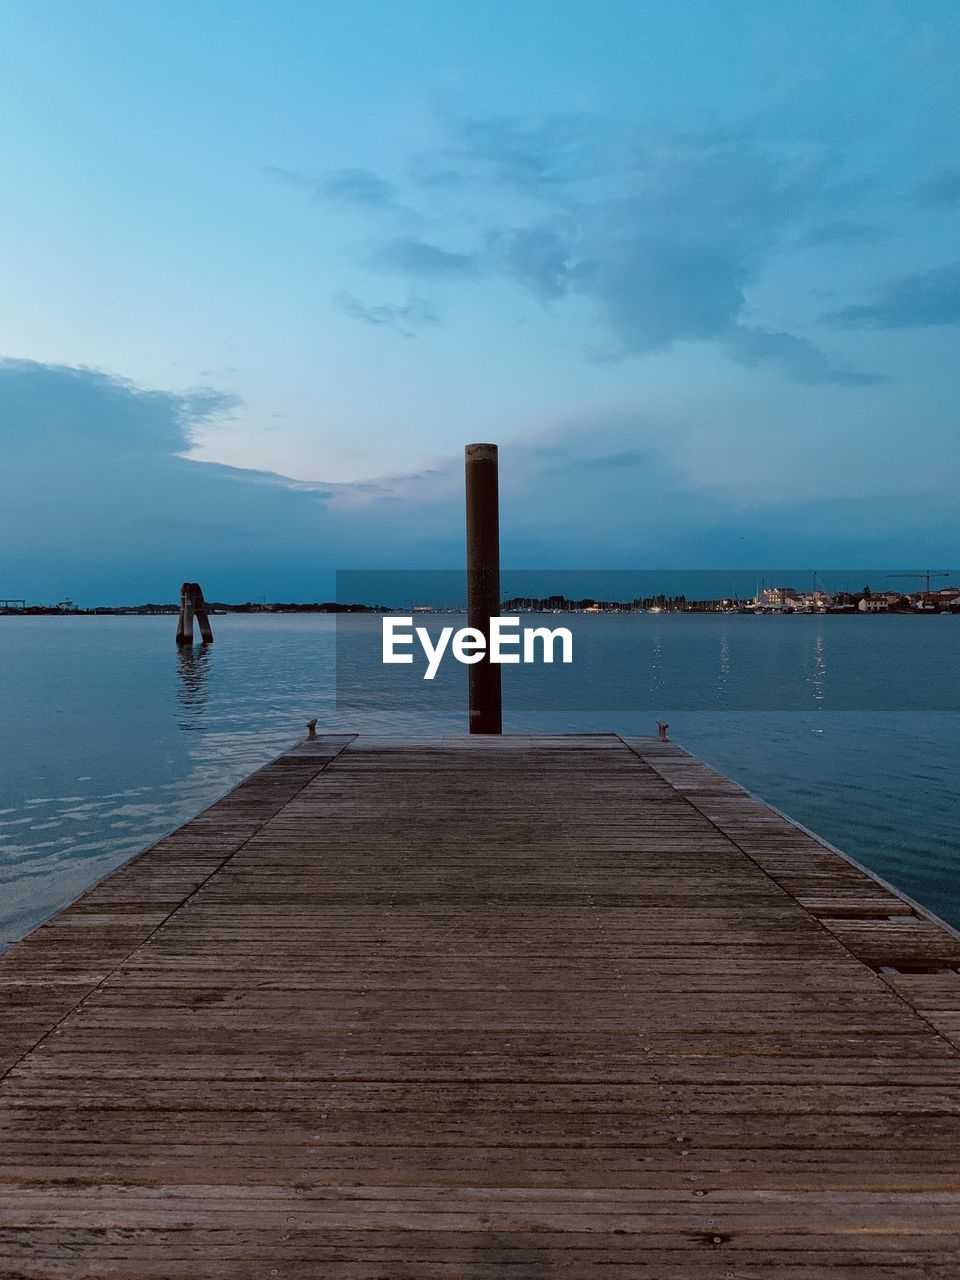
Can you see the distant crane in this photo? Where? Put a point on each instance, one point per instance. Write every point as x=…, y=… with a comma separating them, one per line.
x=923, y=575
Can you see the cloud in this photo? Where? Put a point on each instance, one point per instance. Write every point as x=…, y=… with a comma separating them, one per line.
x=843, y=233
x=620, y=460
x=406, y=318
x=101, y=505
x=665, y=233
x=77, y=410
x=352, y=187
x=664, y=237
x=922, y=300
x=651, y=292
x=356, y=186
x=939, y=191
x=534, y=157
x=417, y=258
x=534, y=257
x=99, y=501
x=802, y=360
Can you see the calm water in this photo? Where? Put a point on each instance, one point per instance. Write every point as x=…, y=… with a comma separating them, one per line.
x=111, y=737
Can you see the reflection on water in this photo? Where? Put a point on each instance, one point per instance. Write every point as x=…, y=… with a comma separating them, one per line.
x=644, y=663
x=819, y=667
x=193, y=669
x=111, y=736
x=656, y=665
x=724, y=667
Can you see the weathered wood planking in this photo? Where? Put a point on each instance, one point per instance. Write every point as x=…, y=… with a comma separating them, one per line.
x=483, y=1007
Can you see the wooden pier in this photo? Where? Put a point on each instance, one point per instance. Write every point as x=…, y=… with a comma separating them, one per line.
x=482, y=1008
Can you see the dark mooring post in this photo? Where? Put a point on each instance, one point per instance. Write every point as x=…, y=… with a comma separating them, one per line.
x=185, y=625
x=483, y=580
x=193, y=605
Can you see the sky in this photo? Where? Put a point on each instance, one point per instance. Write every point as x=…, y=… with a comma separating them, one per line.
x=266, y=268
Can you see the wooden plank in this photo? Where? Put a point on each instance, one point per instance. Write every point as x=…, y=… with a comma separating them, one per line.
x=483, y=1007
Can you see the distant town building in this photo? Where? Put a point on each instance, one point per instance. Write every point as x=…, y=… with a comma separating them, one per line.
x=812, y=602
x=781, y=596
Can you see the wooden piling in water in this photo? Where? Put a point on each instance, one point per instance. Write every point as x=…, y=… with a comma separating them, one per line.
x=483, y=580
x=193, y=605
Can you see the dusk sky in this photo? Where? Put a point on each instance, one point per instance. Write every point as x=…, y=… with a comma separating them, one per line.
x=268, y=267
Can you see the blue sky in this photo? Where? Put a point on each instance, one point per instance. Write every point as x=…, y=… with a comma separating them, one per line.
x=266, y=269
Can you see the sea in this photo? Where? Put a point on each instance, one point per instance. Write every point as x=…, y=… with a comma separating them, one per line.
x=111, y=736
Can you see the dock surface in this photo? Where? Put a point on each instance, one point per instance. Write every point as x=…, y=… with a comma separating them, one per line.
x=477, y=1008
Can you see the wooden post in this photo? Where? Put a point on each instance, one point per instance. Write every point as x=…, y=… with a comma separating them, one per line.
x=200, y=609
x=483, y=580
x=193, y=604
x=185, y=625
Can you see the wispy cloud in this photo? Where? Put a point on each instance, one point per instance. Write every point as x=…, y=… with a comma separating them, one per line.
x=536, y=257
x=922, y=300
x=843, y=232
x=662, y=237
x=532, y=156
x=622, y=460
x=404, y=318
x=940, y=190
x=418, y=258
x=356, y=186
x=351, y=187
x=663, y=233
x=800, y=359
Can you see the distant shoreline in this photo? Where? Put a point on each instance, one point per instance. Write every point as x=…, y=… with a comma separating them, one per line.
x=173, y=610
x=608, y=610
